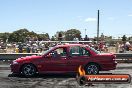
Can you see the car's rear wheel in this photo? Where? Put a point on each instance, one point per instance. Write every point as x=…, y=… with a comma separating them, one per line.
x=28, y=70
x=92, y=69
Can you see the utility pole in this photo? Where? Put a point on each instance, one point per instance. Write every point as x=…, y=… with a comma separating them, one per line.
x=85, y=31
x=98, y=27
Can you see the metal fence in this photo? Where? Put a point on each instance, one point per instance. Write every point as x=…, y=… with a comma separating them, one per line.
x=120, y=57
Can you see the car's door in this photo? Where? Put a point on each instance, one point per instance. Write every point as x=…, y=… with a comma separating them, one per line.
x=77, y=56
x=56, y=60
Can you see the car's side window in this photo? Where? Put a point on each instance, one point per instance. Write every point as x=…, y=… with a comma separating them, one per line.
x=75, y=51
x=79, y=51
x=84, y=52
x=59, y=52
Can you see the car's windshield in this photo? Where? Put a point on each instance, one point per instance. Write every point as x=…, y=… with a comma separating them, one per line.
x=44, y=52
x=97, y=52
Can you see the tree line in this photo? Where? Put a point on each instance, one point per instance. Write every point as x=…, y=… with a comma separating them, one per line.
x=23, y=35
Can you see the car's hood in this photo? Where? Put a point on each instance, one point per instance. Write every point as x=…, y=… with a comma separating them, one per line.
x=28, y=57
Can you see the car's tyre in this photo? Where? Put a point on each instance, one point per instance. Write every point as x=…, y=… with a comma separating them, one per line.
x=28, y=70
x=92, y=69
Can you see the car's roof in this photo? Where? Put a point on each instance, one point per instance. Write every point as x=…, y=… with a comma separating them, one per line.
x=67, y=45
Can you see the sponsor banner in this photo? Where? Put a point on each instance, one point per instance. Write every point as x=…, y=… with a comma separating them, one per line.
x=110, y=78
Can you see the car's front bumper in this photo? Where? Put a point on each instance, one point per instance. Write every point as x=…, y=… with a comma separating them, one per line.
x=15, y=68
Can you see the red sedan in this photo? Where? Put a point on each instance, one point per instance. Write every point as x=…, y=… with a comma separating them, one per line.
x=65, y=58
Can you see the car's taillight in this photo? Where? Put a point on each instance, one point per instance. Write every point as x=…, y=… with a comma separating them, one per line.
x=113, y=57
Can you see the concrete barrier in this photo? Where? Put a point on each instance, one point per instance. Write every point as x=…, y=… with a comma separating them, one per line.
x=120, y=57
x=124, y=57
x=13, y=56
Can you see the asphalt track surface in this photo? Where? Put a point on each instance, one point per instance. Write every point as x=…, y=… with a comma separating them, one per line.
x=7, y=80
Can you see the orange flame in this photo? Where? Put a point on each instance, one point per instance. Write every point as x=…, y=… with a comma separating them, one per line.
x=81, y=71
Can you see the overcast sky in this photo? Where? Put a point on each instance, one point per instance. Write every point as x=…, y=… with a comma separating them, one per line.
x=49, y=16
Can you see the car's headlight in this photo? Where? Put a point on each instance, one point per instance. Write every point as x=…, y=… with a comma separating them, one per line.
x=15, y=62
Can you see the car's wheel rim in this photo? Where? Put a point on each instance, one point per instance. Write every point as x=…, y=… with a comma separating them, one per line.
x=92, y=69
x=28, y=70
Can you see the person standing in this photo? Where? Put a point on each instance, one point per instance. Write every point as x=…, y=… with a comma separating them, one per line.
x=117, y=47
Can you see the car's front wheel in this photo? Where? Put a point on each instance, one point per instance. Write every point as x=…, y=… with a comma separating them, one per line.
x=92, y=69
x=28, y=70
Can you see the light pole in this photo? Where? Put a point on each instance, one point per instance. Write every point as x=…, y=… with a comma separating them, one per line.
x=98, y=27
x=85, y=32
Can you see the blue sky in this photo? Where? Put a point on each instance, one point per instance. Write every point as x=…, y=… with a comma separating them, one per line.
x=50, y=16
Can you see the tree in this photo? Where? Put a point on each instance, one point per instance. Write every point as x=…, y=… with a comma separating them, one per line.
x=124, y=38
x=86, y=38
x=56, y=36
x=52, y=38
x=71, y=34
x=5, y=36
x=21, y=35
x=43, y=37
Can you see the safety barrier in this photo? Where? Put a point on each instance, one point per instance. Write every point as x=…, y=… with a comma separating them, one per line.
x=124, y=57
x=13, y=56
x=120, y=57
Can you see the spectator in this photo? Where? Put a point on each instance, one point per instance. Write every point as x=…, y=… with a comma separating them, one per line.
x=20, y=48
x=28, y=49
x=117, y=47
x=100, y=46
x=127, y=45
x=121, y=48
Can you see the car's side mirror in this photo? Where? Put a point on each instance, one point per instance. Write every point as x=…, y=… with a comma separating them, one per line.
x=48, y=56
x=70, y=56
